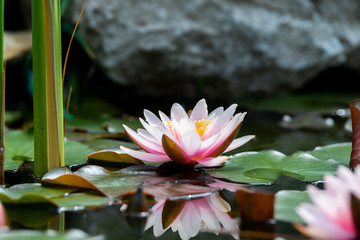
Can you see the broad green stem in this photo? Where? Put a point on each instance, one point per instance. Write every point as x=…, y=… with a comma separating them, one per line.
x=2, y=93
x=47, y=77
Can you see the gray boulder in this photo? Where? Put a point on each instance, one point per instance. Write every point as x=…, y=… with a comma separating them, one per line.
x=218, y=47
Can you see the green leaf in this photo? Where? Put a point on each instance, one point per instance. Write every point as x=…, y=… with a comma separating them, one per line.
x=271, y=174
x=339, y=152
x=19, y=146
x=76, y=152
x=31, y=193
x=266, y=166
x=286, y=202
x=47, y=235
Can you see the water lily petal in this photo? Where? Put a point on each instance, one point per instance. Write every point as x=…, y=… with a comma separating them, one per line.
x=146, y=126
x=213, y=161
x=150, y=157
x=144, y=143
x=152, y=119
x=325, y=228
x=174, y=151
x=177, y=112
x=200, y=111
x=224, y=118
x=217, y=112
x=191, y=142
x=164, y=118
x=226, y=137
x=239, y=142
x=206, y=144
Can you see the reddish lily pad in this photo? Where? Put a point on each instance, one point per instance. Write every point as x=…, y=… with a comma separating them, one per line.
x=255, y=206
x=65, y=177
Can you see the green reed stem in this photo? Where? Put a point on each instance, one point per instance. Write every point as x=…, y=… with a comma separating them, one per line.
x=47, y=77
x=2, y=94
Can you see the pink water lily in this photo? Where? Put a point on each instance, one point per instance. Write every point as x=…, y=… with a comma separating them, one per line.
x=330, y=215
x=207, y=213
x=197, y=137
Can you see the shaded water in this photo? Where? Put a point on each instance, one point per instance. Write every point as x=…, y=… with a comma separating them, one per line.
x=113, y=221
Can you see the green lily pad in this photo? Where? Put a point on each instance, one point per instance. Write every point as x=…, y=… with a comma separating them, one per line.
x=31, y=193
x=35, y=193
x=19, y=146
x=266, y=166
x=271, y=174
x=286, y=203
x=340, y=152
x=47, y=235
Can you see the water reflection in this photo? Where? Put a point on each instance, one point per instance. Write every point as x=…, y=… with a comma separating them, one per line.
x=210, y=213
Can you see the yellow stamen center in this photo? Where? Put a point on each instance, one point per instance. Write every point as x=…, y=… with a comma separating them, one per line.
x=201, y=126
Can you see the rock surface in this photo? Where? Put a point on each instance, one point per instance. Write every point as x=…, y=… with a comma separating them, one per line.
x=218, y=47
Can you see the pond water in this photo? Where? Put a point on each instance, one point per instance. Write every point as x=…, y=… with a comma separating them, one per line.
x=206, y=209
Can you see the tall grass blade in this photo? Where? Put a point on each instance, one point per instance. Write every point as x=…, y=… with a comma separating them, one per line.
x=47, y=77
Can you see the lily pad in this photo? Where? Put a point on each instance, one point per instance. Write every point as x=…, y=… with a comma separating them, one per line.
x=286, y=202
x=115, y=184
x=271, y=174
x=266, y=166
x=47, y=235
x=31, y=193
x=19, y=147
x=339, y=152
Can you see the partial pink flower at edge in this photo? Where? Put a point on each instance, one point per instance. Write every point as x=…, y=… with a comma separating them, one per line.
x=196, y=138
x=330, y=215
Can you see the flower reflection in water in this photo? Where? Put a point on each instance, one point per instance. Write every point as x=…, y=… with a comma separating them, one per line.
x=209, y=213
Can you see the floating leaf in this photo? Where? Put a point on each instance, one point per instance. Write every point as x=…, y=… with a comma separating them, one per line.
x=65, y=177
x=271, y=174
x=31, y=193
x=286, y=202
x=244, y=167
x=339, y=152
x=76, y=152
x=115, y=184
x=77, y=201
x=47, y=235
